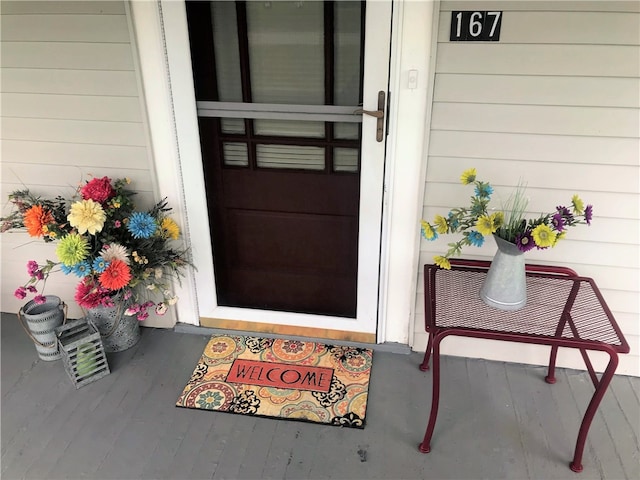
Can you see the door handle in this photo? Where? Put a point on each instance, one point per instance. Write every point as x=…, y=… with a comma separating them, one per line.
x=379, y=114
x=375, y=113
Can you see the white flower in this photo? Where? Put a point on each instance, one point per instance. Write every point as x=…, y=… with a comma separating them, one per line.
x=115, y=251
x=158, y=273
x=161, y=308
x=173, y=300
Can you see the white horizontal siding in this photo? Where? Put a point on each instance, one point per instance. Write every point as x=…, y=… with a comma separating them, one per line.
x=80, y=56
x=71, y=107
x=63, y=179
x=65, y=28
x=556, y=103
x=525, y=59
x=538, y=90
x=71, y=110
x=534, y=119
x=593, y=28
x=609, y=206
x=69, y=82
x=543, y=5
x=83, y=155
x=73, y=131
x=549, y=148
x=35, y=7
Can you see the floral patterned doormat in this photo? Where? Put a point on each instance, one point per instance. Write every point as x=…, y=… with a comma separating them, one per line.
x=288, y=379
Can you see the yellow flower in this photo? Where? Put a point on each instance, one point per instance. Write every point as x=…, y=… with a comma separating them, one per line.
x=559, y=236
x=441, y=224
x=498, y=219
x=485, y=225
x=578, y=204
x=87, y=216
x=543, y=236
x=468, y=176
x=169, y=228
x=427, y=231
x=442, y=262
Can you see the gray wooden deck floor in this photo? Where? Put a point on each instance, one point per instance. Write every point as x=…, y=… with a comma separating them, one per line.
x=497, y=420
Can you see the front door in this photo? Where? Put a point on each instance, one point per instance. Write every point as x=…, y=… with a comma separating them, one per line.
x=292, y=170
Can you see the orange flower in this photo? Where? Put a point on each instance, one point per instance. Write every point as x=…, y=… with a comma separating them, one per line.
x=36, y=219
x=116, y=275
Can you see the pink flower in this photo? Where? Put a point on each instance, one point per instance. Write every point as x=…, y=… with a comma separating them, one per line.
x=39, y=275
x=32, y=267
x=40, y=299
x=143, y=315
x=98, y=189
x=90, y=295
x=20, y=293
x=132, y=310
x=32, y=289
x=161, y=308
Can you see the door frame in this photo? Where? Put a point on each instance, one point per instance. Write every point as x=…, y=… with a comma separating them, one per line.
x=161, y=38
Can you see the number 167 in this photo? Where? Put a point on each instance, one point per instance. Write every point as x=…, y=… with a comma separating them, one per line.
x=475, y=26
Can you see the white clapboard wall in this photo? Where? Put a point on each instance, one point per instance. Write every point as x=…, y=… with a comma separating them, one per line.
x=71, y=110
x=555, y=102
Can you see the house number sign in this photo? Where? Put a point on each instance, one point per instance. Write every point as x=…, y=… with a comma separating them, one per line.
x=475, y=26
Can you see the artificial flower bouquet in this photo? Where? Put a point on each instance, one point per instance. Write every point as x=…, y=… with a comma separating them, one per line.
x=120, y=254
x=508, y=223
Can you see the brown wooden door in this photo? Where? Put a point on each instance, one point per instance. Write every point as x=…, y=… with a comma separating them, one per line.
x=281, y=160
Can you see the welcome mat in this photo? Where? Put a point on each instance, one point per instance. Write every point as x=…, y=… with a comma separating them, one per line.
x=288, y=379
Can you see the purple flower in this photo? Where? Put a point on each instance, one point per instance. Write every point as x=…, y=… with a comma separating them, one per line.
x=40, y=299
x=588, y=214
x=20, y=293
x=524, y=241
x=558, y=222
x=32, y=268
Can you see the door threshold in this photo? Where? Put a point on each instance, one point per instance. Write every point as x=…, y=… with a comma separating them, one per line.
x=288, y=330
x=380, y=347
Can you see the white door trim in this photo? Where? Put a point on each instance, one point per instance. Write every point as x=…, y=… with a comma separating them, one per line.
x=413, y=48
x=161, y=26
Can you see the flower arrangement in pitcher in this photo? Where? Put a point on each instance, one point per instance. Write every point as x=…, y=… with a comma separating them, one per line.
x=118, y=253
x=509, y=223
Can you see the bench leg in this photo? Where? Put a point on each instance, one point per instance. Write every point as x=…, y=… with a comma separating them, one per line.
x=425, y=446
x=601, y=388
x=424, y=366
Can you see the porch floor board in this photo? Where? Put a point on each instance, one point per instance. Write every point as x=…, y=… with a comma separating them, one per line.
x=496, y=420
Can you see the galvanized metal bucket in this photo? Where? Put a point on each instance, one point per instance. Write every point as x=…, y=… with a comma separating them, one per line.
x=118, y=331
x=41, y=322
x=505, y=287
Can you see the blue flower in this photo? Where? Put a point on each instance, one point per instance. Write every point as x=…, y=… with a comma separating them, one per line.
x=82, y=269
x=142, y=225
x=483, y=190
x=66, y=269
x=100, y=264
x=453, y=221
x=476, y=238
